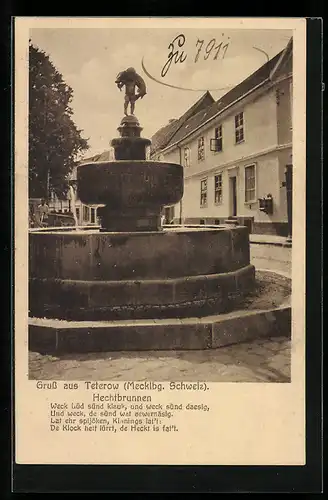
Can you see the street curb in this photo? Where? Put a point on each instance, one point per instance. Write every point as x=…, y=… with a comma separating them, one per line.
x=271, y=243
x=62, y=337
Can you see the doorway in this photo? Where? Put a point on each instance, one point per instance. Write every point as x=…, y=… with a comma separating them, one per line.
x=289, y=193
x=233, y=196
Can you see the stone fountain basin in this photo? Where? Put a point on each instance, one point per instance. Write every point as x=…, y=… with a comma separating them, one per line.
x=137, y=275
x=171, y=253
x=127, y=183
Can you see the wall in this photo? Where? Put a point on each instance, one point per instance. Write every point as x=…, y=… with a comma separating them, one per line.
x=267, y=124
x=284, y=118
x=260, y=132
x=269, y=177
x=64, y=207
x=285, y=157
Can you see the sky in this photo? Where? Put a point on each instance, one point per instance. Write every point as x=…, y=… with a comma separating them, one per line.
x=90, y=59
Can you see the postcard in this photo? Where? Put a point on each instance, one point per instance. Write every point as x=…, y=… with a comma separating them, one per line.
x=160, y=240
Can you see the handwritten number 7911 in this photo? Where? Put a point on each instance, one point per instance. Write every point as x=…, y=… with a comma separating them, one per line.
x=209, y=48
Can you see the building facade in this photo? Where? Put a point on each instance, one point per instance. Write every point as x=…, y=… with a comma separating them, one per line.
x=237, y=154
x=85, y=214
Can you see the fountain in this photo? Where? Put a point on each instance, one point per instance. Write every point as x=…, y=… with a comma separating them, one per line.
x=132, y=284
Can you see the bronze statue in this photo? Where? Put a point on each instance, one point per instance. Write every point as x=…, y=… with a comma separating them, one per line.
x=131, y=80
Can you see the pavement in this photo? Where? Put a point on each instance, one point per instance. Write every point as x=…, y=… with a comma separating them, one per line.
x=272, y=257
x=269, y=239
x=264, y=360
x=261, y=361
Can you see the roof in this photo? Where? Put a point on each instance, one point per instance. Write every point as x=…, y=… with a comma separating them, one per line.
x=247, y=85
x=91, y=158
x=284, y=64
x=104, y=156
x=163, y=136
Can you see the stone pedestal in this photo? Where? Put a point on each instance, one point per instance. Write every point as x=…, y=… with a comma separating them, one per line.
x=129, y=219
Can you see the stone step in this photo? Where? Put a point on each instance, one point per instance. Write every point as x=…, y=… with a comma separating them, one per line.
x=62, y=337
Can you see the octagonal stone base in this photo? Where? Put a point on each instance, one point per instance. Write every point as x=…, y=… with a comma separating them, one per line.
x=111, y=276
x=264, y=314
x=112, y=300
x=211, y=332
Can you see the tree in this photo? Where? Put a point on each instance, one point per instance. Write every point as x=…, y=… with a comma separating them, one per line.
x=55, y=143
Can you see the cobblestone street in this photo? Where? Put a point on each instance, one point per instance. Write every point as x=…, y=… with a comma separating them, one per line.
x=260, y=361
x=265, y=360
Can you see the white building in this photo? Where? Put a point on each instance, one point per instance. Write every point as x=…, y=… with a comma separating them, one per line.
x=236, y=152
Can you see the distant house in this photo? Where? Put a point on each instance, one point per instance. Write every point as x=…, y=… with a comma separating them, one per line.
x=86, y=214
x=236, y=152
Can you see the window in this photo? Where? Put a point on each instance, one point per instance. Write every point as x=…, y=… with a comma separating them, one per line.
x=92, y=215
x=239, y=128
x=86, y=215
x=218, y=189
x=216, y=143
x=250, y=190
x=203, y=193
x=201, y=149
x=186, y=157
x=169, y=214
x=78, y=213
